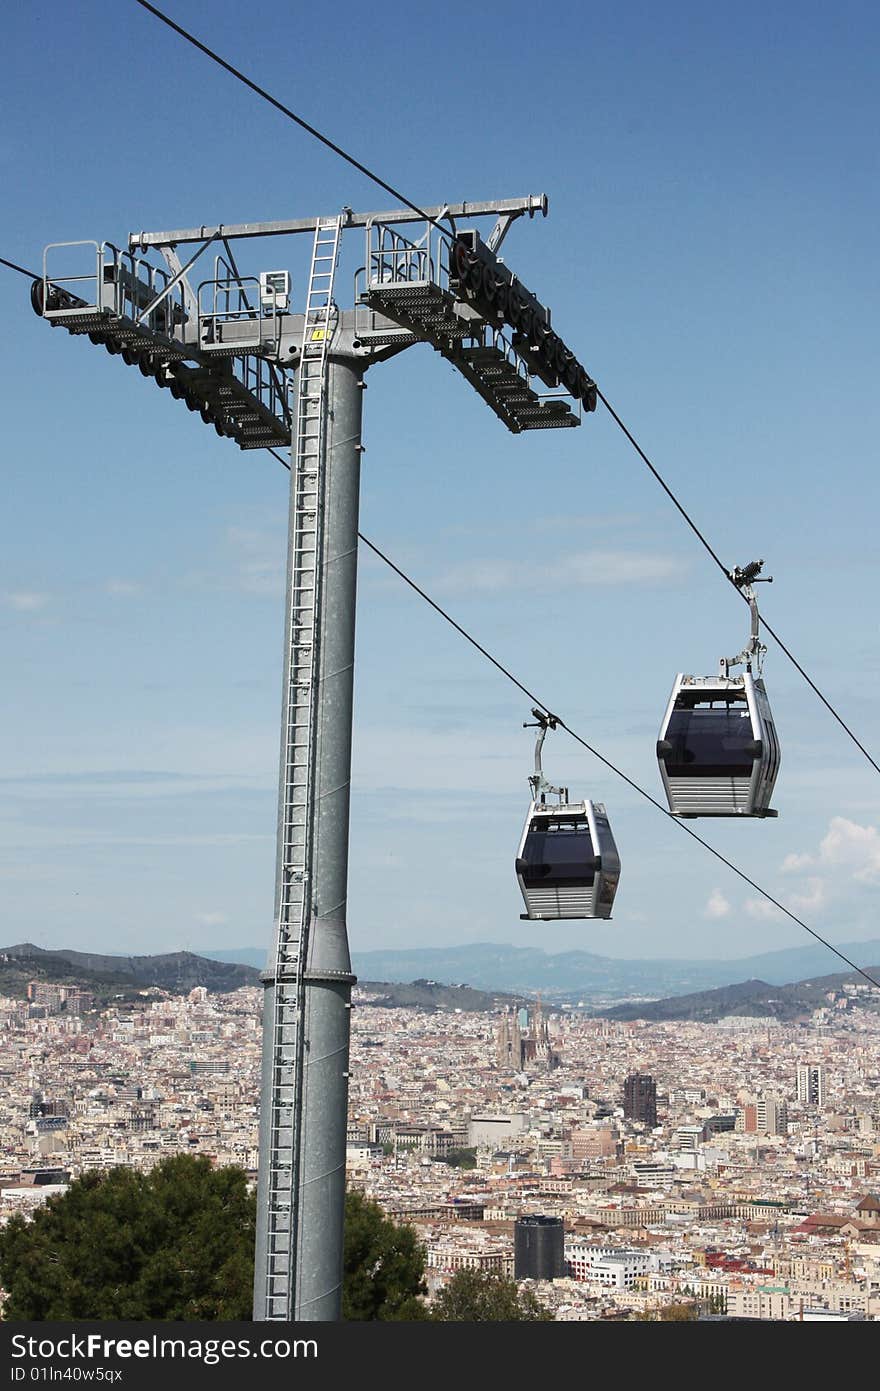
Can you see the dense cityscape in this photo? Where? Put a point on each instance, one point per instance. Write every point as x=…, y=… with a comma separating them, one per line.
x=731, y=1167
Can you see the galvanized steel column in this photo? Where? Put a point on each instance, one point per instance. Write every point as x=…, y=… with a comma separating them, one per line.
x=316, y=1259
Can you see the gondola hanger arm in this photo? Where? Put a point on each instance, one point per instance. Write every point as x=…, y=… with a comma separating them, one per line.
x=538, y=782
x=744, y=576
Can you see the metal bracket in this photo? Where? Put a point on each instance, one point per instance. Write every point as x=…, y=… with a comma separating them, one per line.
x=538, y=781
x=744, y=576
x=175, y=280
x=500, y=230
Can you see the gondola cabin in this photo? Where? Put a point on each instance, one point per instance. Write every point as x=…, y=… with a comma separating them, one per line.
x=718, y=751
x=567, y=865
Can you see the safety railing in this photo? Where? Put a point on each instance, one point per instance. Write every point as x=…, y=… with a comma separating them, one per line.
x=394, y=259
x=270, y=385
x=109, y=281
x=231, y=300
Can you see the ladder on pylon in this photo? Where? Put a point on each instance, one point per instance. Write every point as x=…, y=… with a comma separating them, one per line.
x=298, y=793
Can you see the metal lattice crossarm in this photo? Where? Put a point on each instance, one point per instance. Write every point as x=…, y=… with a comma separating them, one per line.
x=144, y=313
x=466, y=303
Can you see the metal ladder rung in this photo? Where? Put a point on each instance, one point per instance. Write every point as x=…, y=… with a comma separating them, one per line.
x=295, y=894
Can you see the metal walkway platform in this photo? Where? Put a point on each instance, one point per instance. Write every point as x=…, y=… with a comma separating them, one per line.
x=136, y=311
x=409, y=283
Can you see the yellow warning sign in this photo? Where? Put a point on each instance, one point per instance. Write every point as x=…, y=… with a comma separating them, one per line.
x=318, y=335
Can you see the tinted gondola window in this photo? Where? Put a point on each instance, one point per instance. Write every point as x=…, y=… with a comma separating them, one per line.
x=558, y=852
x=711, y=736
x=608, y=889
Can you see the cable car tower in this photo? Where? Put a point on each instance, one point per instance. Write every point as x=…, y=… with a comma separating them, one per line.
x=229, y=347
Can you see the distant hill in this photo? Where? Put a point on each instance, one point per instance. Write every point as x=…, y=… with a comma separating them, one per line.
x=433, y=997
x=176, y=972
x=179, y=972
x=581, y=975
x=753, y=998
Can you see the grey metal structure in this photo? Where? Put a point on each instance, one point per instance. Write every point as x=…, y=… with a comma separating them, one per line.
x=567, y=865
x=718, y=750
x=229, y=347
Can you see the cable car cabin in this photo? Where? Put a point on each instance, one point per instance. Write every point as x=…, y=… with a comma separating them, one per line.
x=567, y=865
x=718, y=750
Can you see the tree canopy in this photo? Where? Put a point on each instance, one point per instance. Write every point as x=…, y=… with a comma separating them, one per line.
x=178, y=1243
x=175, y=1243
x=669, y=1313
x=476, y=1296
x=384, y=1265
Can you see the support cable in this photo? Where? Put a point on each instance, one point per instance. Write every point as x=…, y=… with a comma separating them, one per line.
x=370, y=174
x=291, y=115
x=560, y=722
x=729, y=577
x=558, y=718
x=21, y=270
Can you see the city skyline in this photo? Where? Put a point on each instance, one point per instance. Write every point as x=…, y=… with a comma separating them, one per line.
x=750, y=1190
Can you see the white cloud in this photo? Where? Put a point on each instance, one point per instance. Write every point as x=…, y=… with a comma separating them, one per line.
x=813, y=899
x=717, y=906
x=212, y=919
x=852, y=846
x=578, y=570
x=124, y=589
x=846, y=845
x=762, y=909
x=25, y=601
x=792, y=863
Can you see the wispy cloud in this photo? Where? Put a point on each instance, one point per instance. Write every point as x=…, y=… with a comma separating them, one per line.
x=25, y=600
x=793, y=863
x=114, y=785
x=579, y=570
x=124, y=589
x=717, y=905
x=762, y=910
x=261, y=558
x=813, y=899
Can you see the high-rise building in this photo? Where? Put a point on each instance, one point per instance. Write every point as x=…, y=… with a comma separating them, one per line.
x=595, y=1142
x=811, y=1084
x=766, y=1115
x=538, y=1248
x=640, y=1098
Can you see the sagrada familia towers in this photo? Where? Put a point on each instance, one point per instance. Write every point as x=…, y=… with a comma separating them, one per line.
x=523, y=1037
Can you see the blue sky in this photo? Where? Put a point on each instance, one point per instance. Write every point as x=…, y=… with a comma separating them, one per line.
x=711, y=255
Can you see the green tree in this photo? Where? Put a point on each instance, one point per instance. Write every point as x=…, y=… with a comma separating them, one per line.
x=476, y=1296
x=678, y=1313
x=384, y=1265
x=669, y=1313
x=176, y=1243
x=461, y=1158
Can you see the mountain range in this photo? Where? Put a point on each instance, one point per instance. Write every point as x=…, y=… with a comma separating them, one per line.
x=580, y=975
x=756, y=999
x=177, y=972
